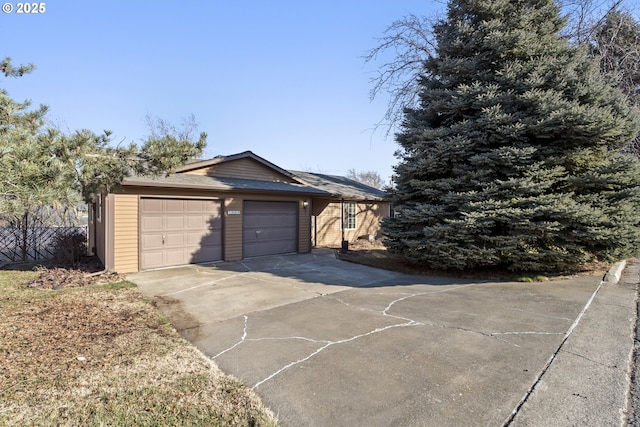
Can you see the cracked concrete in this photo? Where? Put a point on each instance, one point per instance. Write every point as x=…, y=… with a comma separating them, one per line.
x=330, y=343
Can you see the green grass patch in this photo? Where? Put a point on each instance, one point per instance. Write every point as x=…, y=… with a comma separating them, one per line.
x=530, y=279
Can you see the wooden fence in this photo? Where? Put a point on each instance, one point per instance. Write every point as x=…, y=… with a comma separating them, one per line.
x=36, y=245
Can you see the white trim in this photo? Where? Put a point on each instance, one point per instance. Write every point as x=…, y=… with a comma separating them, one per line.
x=346, y=215
x=99, y=207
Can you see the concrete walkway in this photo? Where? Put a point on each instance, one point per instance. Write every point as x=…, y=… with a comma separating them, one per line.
x=326, y=342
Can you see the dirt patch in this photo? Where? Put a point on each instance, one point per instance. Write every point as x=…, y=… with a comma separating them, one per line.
x=88, y=271
x=60, y=278
x=183, y=322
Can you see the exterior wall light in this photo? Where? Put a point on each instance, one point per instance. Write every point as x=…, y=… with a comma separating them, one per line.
x=305, y=204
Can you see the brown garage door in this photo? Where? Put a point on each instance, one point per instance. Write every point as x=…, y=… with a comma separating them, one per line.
x=269, y=228
x=179, y=231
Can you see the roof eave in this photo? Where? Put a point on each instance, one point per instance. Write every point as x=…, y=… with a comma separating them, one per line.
x=221, y=188
x=347, y=197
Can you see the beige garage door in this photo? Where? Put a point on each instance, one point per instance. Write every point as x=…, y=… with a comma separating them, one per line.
x=179, y=231
x=269, y=228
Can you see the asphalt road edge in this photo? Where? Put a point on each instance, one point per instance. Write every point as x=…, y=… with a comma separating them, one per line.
x=628, y=416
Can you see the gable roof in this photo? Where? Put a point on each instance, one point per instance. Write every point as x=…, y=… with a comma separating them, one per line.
x=340, y=186
x=223, y=159
x=306, y=183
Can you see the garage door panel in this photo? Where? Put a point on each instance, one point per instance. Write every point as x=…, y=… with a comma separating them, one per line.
x=211, y=239
x=211, y=206
x=215, y=224
x=151, y=223
x=174, y=257
x=281, y=245
x=273, y=234
x=284, y=220
x=152, y=259
x=173, y=240
x=202, y=222
x=173, y=206
x=205, y=253
x=269, y=248
x=179, y=231
x=174, y=222
x=192, y=205
x=276, y=239
x=271, y=219
x=269, y=228
x=152, y=205
x=198, y=222
x=151, y=241
x=195, y=238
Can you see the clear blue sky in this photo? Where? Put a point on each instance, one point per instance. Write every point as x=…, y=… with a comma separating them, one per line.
x=285, y=79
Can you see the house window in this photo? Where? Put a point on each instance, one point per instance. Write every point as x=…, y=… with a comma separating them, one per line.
x=99, y=207
x=349, y=218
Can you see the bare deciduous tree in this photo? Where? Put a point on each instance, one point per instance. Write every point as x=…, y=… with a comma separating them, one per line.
x=584, y=16
x=370, y=178
x=409, y=41
x=161, y=128
x=616, y=40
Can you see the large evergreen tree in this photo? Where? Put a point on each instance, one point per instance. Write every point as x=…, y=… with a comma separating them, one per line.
x=512, y=158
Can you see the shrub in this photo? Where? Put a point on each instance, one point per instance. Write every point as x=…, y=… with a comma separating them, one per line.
x=69, y=248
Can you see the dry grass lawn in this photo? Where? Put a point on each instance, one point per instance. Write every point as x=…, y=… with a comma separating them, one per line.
x=102, y=355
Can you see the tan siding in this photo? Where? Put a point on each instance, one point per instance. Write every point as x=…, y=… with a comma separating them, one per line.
x=369, y=215
x=199, y=172
x=244, y=169
x=328, y=226
x=232, y=229
x=125, y=233
x=304, y=228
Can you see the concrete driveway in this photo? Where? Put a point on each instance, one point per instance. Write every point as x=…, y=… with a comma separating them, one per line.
x=326, y=342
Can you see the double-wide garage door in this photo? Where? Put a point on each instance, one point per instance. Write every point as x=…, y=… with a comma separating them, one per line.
x=179, y=231
x=269, y=228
